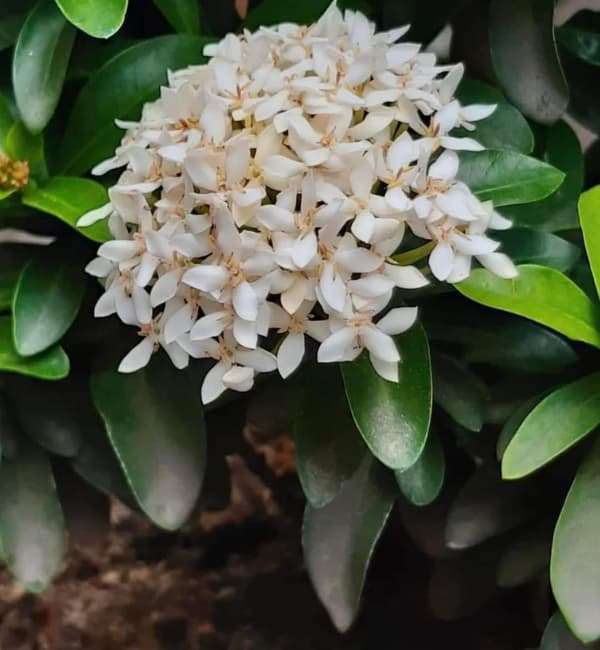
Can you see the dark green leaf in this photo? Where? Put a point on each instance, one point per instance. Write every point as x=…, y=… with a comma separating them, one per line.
x=506, y=128
x=89, y=55
x=542, y=294
x=31, y=520
x=51, y=364
x=575, y=564
x=271, y=12
x=19, y=144
x=339, y=540
x=119, y=90
x=425, y=20
x=557, y=423
x=98, y=18
x=155, y=423
x=8, y=279
x=6, y=120
x=68, y=198
x=557, y=636
x=585, y=92
x=183, y=15
x=522, y=39
x=581, y=36
x=393, y=418
x=422, y=482
x=46, y=299
x=589, y=214
x=40, y=64
x=508, y=177
x=459, y=392
x=526, y=246
x=524, y=560
x=559, y=210
x=328, y=446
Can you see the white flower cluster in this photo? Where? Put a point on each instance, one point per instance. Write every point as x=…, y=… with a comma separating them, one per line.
x=268, y=190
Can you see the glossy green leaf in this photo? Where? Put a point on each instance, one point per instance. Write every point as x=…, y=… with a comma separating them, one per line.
x=46, y=299
x=522, y=38
x=589, y=215
x=559, y=210
x=508, y=177
x=183, y=15
x=541, y=294
x=393, y=418
x=40, y=64
x=119, y=90
x=328, y=446
x=557, y=423
x=155, y=423
x=51, y=364
x=459, y=392
x=19, y=144
x=31, y=520
x=339, y=540
x=98, y=18
x=422, y=482
x=575, y=564
x=68, y=198
x=506, y=128
x=581, y=36
x=526, y=246
x=557, y=636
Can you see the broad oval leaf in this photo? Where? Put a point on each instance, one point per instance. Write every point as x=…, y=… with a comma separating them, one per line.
x=328, y=446
x=52, y=364
x=46, y=299
x=31, y=520
x=508, y=177
x=68, y=198
x=541, y=294
x=183, y=15
x=526, y=246
x=393, y=418
x=522, y=38
x=155, y=423
x=589, y=215
x=40, y=64
x=119, y=90
x=557, y=423
x=559, y=210
x=581, y=36
x=422, y=482
x=557, y=636
x=505, y=128
x=98, y=18
x=575, y=563
x=339, y=539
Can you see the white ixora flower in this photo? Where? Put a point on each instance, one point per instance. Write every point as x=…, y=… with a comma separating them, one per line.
x=263, y=195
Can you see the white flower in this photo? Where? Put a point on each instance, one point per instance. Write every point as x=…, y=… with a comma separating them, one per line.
x=267, y=190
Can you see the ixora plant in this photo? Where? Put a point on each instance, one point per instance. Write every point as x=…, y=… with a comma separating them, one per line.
x=315, y=198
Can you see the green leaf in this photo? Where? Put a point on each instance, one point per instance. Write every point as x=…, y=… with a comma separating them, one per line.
x=559, y=210
x=68, y=198
x=526, y=246
x=575, y=564
x=524, y=560
x=339, y=540
x=22, y=145
x=8, y=279
x=98, y=18
x=183, y=15
x=511, y=426
x=506, y=128
x=522, y=38
x=46, y=299
x=10, y=26
x=459, y=392
x=40, y=64
x=589, y=214
x=557, y=636
x=6, y=120
x=541, y=294
x=581, y=36
x=51, y=364
x=508, y=177
x=557, y=423
x=31, y=520
x=119, y=90
x=422, y=482
x=155, y=423
x=393, y=418
x=328, y=446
